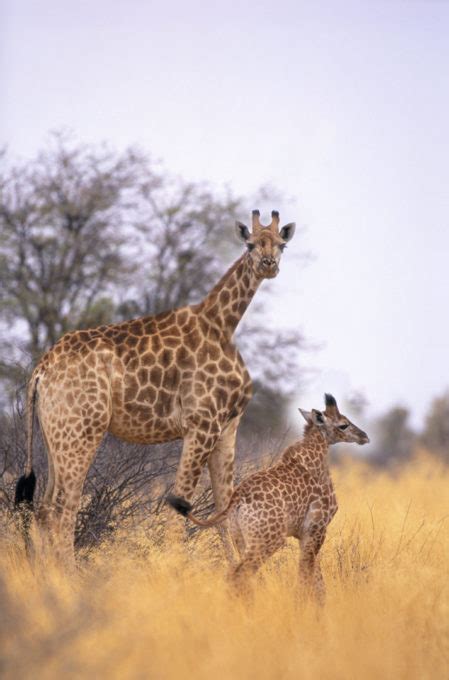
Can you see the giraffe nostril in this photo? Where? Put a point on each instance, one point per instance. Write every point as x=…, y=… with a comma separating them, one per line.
x=267, y=261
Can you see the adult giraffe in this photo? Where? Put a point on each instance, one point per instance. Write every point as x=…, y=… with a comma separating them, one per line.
x=150, y=380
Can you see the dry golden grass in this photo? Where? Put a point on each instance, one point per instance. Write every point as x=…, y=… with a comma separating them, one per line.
x=141, y=611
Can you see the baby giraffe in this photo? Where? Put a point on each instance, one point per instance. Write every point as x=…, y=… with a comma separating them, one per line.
x=294, y=497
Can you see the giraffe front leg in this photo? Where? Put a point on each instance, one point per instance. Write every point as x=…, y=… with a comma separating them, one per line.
x=221, y=469
x=310, y=575
x=195, y=452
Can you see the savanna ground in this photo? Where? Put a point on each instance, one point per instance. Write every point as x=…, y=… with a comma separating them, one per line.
x=141, y=609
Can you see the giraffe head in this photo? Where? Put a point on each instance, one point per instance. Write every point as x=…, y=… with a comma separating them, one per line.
x=335, y=426
x=265, y=244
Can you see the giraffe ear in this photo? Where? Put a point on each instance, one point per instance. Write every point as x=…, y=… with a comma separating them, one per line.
x=242, y=231
x=313, y=417
x=318, y=418
x=287, y=231
x=307, y=415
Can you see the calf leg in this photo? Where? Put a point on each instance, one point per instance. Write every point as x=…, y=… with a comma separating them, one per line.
x=257, y=550
x=310, y=575
x=250, y=562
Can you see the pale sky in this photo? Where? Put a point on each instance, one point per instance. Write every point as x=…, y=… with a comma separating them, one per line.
x=342, y=106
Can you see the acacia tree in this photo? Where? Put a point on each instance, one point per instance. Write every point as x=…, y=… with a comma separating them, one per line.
x=91, y=236
x=61, y=242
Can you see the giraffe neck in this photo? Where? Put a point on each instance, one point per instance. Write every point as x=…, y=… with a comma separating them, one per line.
x=226, y=303
x=310, y=452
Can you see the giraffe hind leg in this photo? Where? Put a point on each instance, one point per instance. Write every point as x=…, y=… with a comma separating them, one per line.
x=74, y=421
x=48, y=495
x=237, y=535
x=256, y=553
x=66, y=499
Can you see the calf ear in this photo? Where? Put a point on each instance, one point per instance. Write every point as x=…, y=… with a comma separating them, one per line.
x=307, y=415
x=242, y=231
x=318, y=418
x=287, y=231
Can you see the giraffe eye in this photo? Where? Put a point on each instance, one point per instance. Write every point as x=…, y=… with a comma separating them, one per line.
x=250, y=246
x=344, y=426
x=282, y=246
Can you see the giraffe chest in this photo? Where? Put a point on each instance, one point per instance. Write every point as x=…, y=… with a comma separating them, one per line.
x=220, y=381
x=313, y=502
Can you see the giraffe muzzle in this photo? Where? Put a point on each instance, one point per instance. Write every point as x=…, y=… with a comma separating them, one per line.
x=363, y=439
x=269, y=267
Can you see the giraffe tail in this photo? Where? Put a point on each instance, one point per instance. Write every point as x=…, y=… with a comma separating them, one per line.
x=185, y=508
x=27, y=483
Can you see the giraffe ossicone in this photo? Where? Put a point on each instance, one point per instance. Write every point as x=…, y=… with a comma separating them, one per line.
x=176, y=375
